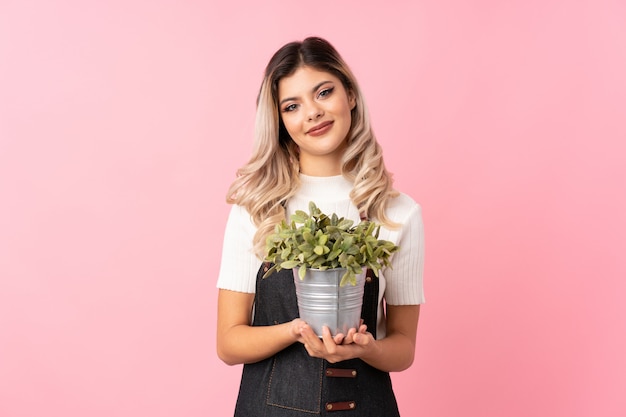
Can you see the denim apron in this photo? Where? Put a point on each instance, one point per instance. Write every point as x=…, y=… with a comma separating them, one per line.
x=293, y=384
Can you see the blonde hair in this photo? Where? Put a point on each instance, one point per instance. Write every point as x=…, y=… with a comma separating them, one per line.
x=264, y=185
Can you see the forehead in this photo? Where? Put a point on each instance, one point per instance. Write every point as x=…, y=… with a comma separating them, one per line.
x=303, y=81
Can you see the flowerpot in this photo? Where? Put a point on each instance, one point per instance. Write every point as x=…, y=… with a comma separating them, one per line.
x=323, y=302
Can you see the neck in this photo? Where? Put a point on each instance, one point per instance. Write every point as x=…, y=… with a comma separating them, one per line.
x=320, y=166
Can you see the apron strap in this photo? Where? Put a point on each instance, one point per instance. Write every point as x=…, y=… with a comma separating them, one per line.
x=369, y=311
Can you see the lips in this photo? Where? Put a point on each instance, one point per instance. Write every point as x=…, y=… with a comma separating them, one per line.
x=320, y=129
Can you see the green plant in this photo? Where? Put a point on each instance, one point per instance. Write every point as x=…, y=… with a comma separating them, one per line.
x=317, y=241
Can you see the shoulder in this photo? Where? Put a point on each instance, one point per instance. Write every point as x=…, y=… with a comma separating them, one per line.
x=239, y=262
x=240, y=225
x=238, y=210
x=402, y=208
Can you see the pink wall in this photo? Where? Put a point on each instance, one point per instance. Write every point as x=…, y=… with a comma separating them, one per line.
x=122, y=124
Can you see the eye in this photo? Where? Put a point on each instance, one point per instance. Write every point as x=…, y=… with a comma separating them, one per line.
x=326, y=92
x=290, y=107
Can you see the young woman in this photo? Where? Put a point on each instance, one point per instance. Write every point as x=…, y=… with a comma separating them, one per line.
x=314, y=143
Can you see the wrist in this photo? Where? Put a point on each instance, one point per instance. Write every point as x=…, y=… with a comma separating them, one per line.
x=372, y=348
x=293, y=330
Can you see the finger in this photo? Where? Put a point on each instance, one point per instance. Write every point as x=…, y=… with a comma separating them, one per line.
x=312, y=342
x=349, y=337
x=339, y=338
x=329, y=342
x=309, y=334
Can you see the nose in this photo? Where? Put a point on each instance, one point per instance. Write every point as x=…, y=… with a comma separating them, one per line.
x=314, y=111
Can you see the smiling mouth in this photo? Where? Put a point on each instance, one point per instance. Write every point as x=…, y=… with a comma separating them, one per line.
x=320, y=129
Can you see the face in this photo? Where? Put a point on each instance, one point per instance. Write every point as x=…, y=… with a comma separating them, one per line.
x=315, y=108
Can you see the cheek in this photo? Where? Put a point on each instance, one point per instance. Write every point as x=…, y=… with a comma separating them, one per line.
x=345, y=109
x=290, y=124
x=289, y=127
x=348, y=115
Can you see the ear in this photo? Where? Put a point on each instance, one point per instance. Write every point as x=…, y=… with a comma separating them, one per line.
x=352, y=99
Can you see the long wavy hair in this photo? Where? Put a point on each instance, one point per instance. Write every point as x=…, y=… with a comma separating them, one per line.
x=264, y=185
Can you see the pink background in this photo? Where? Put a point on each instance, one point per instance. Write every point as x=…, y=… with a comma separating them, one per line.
x=122, y=124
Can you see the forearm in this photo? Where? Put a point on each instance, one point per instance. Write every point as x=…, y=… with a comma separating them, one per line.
x=237, y=341
x=391, y=354
x=249, y=344
x=396, y=351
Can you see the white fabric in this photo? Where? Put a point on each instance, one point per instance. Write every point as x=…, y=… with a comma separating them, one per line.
x=402, y=284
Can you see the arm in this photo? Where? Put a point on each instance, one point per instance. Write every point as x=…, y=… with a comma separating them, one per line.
x=239, y=342
x=396, y=351
x=393, y=353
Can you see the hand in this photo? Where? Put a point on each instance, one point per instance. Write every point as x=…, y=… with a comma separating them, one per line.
x=340, y=338
x=339, y=348
x=295, y=329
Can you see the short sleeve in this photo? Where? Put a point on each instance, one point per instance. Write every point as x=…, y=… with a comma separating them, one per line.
x=240, y=264
x=404, y=280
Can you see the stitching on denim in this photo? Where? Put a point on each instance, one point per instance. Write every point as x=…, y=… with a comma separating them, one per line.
x=269, y=388
x=269, y=383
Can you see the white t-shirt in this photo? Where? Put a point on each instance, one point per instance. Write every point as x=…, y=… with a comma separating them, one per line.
x=402, y=284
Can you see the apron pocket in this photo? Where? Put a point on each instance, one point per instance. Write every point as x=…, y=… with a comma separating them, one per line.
x=296, y=380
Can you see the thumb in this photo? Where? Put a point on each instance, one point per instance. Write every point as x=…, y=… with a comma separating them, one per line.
x=361, y=339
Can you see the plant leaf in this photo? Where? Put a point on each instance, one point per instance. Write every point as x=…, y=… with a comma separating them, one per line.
x=289, y=264
x=299, y=217
x=316, y=240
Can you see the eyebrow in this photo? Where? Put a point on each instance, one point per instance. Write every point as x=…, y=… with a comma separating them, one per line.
x=312, y=90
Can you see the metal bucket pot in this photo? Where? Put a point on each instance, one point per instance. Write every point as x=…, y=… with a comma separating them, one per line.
x=323, y=302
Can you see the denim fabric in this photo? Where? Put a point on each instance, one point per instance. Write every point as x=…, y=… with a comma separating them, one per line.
x=293, y=384
x=369, y=311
